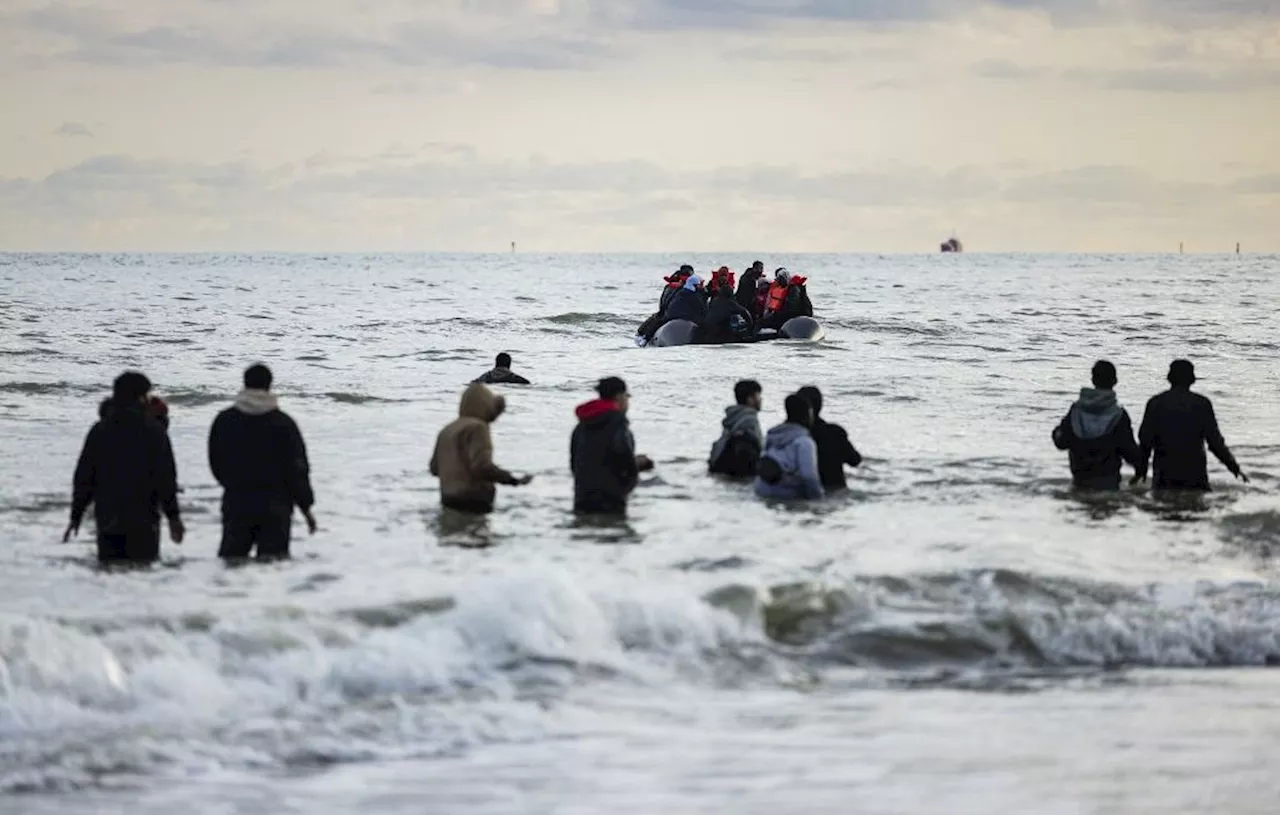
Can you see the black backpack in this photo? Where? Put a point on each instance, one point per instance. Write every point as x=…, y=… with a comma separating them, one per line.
x=739, y=456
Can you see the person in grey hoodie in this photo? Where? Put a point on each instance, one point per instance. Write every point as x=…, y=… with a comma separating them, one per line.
x=1098, y=434
x=257, y=454
x=738, y=449
x=788, y=470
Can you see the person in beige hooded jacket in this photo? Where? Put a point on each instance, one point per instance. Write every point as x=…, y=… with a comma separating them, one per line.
x=463, y=458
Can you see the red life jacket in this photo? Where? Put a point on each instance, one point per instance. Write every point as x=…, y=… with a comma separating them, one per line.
x=722, y=277
x=676, y=281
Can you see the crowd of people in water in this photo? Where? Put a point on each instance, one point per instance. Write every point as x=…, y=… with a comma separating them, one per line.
x=256, y=453
x=727, y=308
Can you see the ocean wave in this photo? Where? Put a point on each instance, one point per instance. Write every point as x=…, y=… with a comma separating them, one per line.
x=581, y=318
x=345, y=398
x=48, y=388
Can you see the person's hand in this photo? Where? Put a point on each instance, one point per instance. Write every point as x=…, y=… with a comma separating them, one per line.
x=522, y=480
x=1240, y=475
x=73, y=529
x=310, y=517
x=644, y=463
x=176, y=530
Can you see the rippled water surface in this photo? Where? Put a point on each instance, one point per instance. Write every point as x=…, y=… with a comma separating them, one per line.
x=958, y=633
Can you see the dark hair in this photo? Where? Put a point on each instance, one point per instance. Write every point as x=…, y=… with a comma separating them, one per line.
x=611, y=387
x=746, y=389
x=813, y=396
x=799, y=411
x=258, y=378
x=503, y=360
x=1182, y=374
x=130, y=386
x=1104, y=375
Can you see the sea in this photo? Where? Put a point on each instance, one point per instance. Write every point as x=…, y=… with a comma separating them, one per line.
x=960, y=632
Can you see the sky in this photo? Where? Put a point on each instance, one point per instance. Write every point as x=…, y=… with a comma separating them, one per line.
x=639, y=125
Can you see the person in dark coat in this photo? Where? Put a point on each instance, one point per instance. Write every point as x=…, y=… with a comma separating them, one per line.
x=126, y=470
x=688, y=303
x=1176, y=426
x=718, y=325
x=834, y=448
x=257, y=454
x=501, y=373
x=1098, y=434
x=670, y=290
x=602, y=452
x=746, y=295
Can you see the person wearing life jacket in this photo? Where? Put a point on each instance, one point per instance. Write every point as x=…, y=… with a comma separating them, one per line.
x=787, y=298
x=688, y=303
x=674, y=283
x=722, y=277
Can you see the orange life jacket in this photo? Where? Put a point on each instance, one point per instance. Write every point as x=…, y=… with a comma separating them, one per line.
x=778, y=293
x=676, y=281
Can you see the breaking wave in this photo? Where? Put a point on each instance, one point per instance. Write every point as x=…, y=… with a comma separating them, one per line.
x=84, y=700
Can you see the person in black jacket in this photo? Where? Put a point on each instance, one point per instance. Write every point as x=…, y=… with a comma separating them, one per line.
x=1176, y=426
x=602, y=452
x=834, y=448
x=718, y=325
x=501, y=373
x=257, y=454
x=1098, y=434
x=747, y=284
x=126, y=470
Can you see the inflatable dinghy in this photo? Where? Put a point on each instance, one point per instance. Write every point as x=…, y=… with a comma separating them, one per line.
x=686, y=332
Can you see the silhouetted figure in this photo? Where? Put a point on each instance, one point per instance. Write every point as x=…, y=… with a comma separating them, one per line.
x=602, y=452
x=834, y=448
x=257, y=454
x=1098, y=434
x=741, y=440
x=127, y=471
x=726, y=320
x=788, y=470
x=501, y=373
x=1176, y=426
x=463, y=456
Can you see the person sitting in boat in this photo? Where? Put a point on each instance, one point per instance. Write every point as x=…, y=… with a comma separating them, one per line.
x=726, y=319
x=747, y=284
x=788, y=297
x=721, y=278
x=688, y=303
x=673, y=284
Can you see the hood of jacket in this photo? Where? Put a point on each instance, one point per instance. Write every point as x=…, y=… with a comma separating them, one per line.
x=740, y=418
x=597, y=411
x=255, y=402
x=478, y=402
x=1095, y=413
x=783, y=436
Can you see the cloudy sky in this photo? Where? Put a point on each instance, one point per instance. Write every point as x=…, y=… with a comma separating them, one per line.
x=585, y=125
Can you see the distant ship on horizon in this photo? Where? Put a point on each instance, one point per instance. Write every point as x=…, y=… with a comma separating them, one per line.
x=952, y=245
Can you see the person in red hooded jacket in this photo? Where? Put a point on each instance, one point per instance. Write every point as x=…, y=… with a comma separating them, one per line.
x=602, y=452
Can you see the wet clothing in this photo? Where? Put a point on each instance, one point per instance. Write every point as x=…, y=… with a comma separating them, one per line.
x=718, y=325
x=740, y=444
x=257, y=455
x=687, y=304
x=1098, y=436
x=463, y=456
x=794, y=451
x=500, y=376
x=127, y=471
x=834, y=452
x=602, y=457
x=1176, y=426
